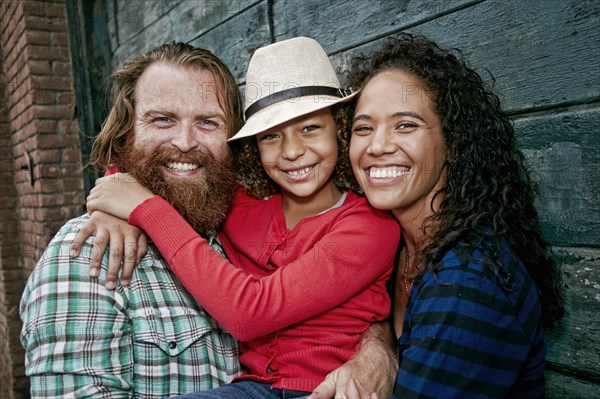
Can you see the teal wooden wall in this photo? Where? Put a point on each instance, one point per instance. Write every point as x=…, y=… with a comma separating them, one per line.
x=545, y=55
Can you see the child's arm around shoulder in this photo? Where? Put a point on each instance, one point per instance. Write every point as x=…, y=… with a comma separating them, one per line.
x=126, y=242
x=355, y=253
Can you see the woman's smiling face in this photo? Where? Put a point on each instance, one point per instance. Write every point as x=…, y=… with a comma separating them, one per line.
x=397, y=147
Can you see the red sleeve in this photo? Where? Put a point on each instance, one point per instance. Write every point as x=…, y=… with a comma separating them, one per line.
x=314, y=283
x=111, y=170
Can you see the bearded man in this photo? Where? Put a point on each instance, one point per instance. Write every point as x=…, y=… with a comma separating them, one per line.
x=173, y=110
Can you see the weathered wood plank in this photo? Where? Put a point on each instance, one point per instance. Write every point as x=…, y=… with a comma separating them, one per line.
x=343, y=24
x=111, y=23
x=563, y=151
x=531, y=48
x=560, y=386
x=543, y=53
x=574, y=344
x=235, y=40
x=185, y=22
x=133, y=16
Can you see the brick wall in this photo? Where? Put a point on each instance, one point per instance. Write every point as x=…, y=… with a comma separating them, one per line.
x=41, y=184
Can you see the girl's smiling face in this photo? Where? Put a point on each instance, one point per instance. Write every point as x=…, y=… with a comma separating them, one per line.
x=397, y=147
x=300, y=155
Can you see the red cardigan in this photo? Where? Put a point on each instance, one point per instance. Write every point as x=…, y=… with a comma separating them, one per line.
x=297, y=300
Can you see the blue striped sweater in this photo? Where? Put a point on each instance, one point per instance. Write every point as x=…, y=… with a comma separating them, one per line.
x=471, y=333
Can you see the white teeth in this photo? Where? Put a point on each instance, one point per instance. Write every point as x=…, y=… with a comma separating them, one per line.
x=387, y=173
x=182, y=166
x=299, y=172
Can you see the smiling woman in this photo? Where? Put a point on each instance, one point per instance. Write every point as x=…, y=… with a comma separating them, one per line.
x=397, y=148
x=475, y=281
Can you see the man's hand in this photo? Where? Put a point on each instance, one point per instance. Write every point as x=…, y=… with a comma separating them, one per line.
x=368, y=375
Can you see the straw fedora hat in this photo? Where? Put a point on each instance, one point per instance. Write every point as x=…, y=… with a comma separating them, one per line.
x=286, y=80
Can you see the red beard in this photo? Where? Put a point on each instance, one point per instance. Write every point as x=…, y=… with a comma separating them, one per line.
x=202, y=200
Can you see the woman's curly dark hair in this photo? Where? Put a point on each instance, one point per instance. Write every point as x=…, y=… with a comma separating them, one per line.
x=252, y=176
x=488, y=190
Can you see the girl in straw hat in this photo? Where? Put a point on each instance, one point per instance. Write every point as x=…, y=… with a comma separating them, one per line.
x=308, y=257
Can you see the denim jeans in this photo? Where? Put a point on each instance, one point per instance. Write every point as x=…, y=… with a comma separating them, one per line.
x=246, y=389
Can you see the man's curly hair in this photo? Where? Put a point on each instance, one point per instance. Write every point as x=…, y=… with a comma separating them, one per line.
x=488, y=191
x=252, y=176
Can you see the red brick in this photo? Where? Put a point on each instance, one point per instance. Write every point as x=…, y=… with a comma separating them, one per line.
x=16, y=90
x=45, y=96
x=51, y=82
x=13, y=32
x=35, y=228
x=53, y=171
x=76, y=198
x=51, y=200
x=21, y=181
x=19, y=151
x=62, y=68
x=7, y=203
x=57, y=10
x=35, y=8
x=17, y=68
x=39, y=67
x=9, y=225
x=47, y=214
x=47, y=53
x=30, y=200
x=55, y=141
x=65, y=97
x=26, y=132
x=47, y=156
x=11, y=275
x=8, y=9
x=12, y=261
x=72, y=155
x=67, y=127
x=73, y=184
x=47, y=186
x=73, y=170
x=45, y=126
x=59, y=39
x=37, y=37
x=46, y=23
x=54, y=111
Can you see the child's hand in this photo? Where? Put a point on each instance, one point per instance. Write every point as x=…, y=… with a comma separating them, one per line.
x=127, y=243
x=118, y=194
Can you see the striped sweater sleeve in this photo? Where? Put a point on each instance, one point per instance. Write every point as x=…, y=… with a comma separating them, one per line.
x=465, y=336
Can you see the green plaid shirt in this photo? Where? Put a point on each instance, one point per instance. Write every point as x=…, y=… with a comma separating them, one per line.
x=150, y=340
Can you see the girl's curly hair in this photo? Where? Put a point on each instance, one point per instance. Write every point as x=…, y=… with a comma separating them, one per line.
x=252, y=176
x=488, y=190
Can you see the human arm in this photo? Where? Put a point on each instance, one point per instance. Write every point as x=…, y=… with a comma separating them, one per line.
x=329, y=274
x=110, y=202
x=369, y=374
x=127, y=243
x=467, y=336
x=75, y=332
x=122, y=186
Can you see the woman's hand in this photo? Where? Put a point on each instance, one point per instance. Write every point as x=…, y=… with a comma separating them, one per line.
x=118, y=194
x=127, y=243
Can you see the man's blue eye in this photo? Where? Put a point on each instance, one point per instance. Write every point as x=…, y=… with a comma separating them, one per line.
x=162, y=120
